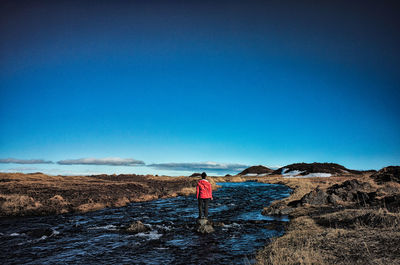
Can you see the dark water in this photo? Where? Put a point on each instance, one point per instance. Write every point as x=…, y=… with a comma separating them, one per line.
x=98, y=237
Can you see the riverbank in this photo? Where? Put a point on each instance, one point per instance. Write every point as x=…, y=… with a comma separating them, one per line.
x=348, y=219
x=40, y=194
x=336, y=220
x=170, y=237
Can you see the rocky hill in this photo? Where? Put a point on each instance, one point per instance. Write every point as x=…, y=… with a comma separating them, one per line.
x=386, y=174
x=303, y=169
x=256, y=170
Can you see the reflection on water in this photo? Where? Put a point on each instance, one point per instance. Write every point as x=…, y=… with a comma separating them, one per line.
x=98, y=237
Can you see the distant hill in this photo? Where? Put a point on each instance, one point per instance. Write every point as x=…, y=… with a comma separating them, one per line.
x=256, y=170
x=195, y=175
x=308, y=168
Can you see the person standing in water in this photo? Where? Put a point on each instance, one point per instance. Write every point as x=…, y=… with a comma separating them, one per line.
x=203, y=194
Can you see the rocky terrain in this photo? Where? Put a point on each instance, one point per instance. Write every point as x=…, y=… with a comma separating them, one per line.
x=387, y=174
x=346, y=219
x=40, y=194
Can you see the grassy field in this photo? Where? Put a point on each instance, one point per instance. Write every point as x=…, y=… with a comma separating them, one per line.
x=39, y=194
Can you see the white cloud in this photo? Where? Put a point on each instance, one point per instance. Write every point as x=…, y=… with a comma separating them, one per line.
x=201, y=166
x=110, y=161
x=24, y=161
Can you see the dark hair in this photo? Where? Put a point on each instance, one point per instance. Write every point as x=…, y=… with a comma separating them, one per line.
x=203, y=175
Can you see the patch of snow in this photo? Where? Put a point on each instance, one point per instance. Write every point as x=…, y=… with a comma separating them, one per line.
x=292, y=173
x=310, y=175
x=317, y=175
x=250, y=175
x=262, y=175
x=14, y=234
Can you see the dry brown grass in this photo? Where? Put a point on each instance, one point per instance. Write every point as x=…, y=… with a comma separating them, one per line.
x=236, y=178
x=345, y=236
x=371, y=240
x=94, y=206
x=356, y=218
x=12, y=203
x=295, y=247
x=39, y=194
x=187, y=191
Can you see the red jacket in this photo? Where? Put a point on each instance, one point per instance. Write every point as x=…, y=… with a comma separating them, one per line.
x=204, y=190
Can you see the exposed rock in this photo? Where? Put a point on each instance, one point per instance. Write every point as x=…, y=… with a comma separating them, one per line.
x=388, y=189
x=315, y=197
x=387, y=174
x=277, y=211
x=137, y=227
x=256, y=170
x=204, y=226
x=392, y=202
x=334, y=199
x=308, y=168
x=350, y=191
x=353, y=191
x=286, y=211
x=349, y=185
x=279, y=208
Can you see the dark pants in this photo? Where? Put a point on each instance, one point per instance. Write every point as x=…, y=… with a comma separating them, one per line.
x=203, y=208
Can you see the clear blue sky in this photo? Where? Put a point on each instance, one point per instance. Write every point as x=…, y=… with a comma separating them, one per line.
x=175, y=84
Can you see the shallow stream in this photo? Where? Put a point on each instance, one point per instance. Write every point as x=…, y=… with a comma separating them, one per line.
x=99, y=238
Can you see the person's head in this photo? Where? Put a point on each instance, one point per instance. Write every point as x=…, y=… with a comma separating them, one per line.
x=203, y=175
